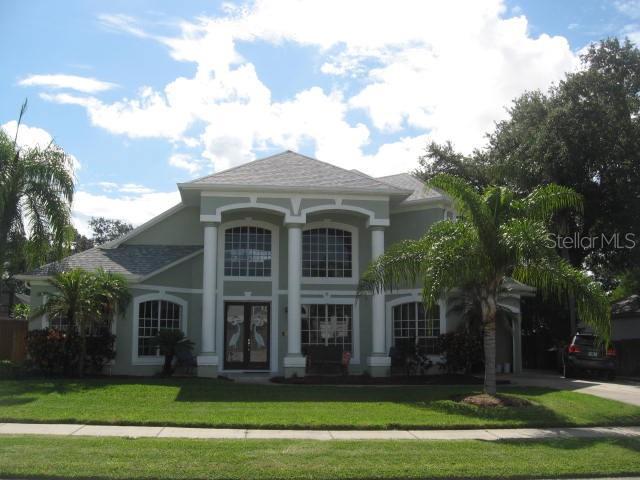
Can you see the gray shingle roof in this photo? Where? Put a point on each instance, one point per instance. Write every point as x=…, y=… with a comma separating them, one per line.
x=139, y=260
x=406, y=181
x=290, y=169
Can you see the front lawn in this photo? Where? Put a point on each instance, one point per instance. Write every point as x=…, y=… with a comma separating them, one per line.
x=218, y=403
x=117, y=458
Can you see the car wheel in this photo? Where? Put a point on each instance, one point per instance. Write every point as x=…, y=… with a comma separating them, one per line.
x=611, y=375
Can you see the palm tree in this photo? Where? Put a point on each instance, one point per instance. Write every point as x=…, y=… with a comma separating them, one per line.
x=86, y=299
x=496, y=237
x=36, y=185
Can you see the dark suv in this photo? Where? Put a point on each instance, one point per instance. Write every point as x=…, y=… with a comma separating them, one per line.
x=587, y=353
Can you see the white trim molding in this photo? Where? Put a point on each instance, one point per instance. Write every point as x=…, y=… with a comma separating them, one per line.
x=184, y=318
x=207, y=360
x=382, y=361
x=295, y=362
x=293, y=214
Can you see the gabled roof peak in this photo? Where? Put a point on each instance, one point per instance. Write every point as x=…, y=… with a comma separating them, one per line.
x=290, y=169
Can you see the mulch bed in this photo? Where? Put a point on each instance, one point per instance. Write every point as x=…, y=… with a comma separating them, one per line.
x=445, y=379
x=484, y=400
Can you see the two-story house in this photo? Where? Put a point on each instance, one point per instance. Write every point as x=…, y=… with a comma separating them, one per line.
x=261, y=261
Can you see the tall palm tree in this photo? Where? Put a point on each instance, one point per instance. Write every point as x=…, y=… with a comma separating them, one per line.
x=36, y=185
x=496, y=237
x=86, y=299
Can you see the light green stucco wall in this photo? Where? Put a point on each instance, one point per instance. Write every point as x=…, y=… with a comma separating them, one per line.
x=181, y=228
x=187, y=274
x=411, y=225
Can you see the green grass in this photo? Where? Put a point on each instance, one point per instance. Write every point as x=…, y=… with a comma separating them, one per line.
x=201, y=402
x=116, y=458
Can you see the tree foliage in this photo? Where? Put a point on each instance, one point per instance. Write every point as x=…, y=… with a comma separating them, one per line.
x=86, y=299
x=107, y=229
x=499, y=236
x=584, y=133
x=36, y=190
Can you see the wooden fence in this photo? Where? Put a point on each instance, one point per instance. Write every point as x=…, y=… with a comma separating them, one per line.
x=13, y=340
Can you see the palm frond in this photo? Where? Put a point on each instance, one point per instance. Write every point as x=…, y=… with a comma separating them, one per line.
x=545, y=201
x=554, y=276
x=446, y=255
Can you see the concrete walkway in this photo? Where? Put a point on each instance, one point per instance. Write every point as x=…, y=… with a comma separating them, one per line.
x=77, y=430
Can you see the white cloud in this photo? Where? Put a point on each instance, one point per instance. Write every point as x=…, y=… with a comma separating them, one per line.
x=124, y=187
x=186, y=162
x=121, y=23
x=148, y=116
x=442, y=70
x=135, y=188
x=135, y=209
x=71, y=82
x=631, y=8
x=34, y=137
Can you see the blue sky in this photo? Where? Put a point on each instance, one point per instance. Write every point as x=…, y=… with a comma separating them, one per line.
x=145, y=94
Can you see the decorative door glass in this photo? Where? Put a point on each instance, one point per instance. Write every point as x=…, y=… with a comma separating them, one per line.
x=259, y=335
x=235, y=334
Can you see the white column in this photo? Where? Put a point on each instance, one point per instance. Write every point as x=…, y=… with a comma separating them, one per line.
x=209, y=288
x=377, y=301
x=295, y=280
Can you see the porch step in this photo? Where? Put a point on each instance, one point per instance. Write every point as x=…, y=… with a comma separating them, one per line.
x=250, y=377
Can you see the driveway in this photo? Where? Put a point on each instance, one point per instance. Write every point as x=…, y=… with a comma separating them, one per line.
x=623, y=391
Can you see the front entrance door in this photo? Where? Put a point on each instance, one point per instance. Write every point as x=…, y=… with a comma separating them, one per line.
x=246, y=336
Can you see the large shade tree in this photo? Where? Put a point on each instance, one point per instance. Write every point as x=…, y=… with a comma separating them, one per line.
x=583, y=133
x=36, y=190
x=496, y=236
x=86, y=299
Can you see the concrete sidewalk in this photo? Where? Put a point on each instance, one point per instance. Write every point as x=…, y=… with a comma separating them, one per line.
x=78, y=430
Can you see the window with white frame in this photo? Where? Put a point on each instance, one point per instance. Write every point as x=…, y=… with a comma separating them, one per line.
x=247, y=252
x=324, y=324
x=153, y=316
x=59, y=322
x=327, y=253
x=412, y=323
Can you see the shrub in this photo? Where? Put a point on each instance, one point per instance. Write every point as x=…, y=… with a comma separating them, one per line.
x=10, y=370
x=462, y=349
x=52, y=351
x=21, y=311
x=100, y=349
x=57, y=352
x=170, y=342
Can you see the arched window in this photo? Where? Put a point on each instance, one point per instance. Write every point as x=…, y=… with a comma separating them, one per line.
x=327, y=253
x=247, y=252
x=153, y=316
x=413, y=324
